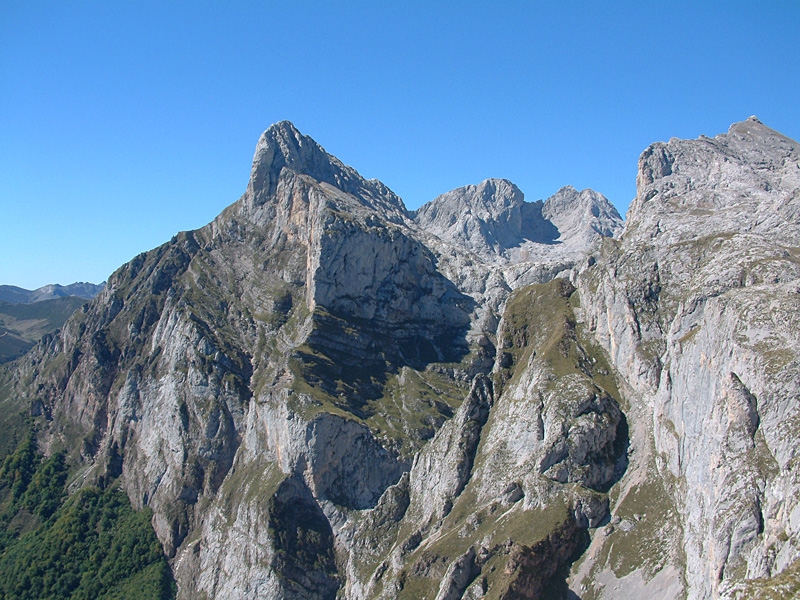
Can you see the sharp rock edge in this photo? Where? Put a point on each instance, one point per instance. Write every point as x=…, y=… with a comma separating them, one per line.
x=323, y=395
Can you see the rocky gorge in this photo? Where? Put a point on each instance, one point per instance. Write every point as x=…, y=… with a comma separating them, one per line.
x=321, y=394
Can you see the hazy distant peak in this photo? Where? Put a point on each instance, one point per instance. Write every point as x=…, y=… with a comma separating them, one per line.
x=18, y=295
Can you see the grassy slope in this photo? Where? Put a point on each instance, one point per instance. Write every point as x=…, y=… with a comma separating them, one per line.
x=22, y=325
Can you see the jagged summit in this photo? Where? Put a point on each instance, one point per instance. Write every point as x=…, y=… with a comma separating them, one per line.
x=487, y=216
x=751, y=180
x=492, y=219
x=584, y=214
x=283, y=147
x=492, y=199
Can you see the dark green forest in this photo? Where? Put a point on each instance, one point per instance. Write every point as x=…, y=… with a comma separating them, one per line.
x=85, y=546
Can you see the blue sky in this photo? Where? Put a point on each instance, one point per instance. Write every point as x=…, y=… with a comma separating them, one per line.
x=122, y=123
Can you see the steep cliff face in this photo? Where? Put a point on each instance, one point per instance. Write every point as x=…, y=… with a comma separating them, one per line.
x=697, y=306
x=321, y=395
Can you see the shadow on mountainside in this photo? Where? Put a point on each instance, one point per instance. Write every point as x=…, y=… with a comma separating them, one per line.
x=352, y=359
x=535, y=227
x=352, y=362
x=304, y=554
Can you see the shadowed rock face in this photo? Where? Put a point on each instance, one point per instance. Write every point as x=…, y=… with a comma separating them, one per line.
x=493, y=220
x=321, y=395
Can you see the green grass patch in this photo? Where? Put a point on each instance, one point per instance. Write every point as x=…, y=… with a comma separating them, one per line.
x=650, y=517
x=540, y=320
x=497, y=528
x=781, y=586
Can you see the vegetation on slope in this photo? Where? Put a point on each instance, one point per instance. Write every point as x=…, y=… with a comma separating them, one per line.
x=22, y=325
x=88, y=545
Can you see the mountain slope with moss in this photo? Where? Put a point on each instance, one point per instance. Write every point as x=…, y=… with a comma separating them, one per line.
x=22, y=325
x=323, y=395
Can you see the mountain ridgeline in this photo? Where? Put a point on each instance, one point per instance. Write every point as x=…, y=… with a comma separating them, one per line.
x=27, y=315
x=17, y=295
x=322, y=395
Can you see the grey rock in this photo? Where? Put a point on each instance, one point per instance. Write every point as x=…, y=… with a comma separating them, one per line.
x=493, y=221
x=696, y=307
x=454, y=402
x=458, y=576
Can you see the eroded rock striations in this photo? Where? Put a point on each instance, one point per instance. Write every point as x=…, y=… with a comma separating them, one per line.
x=697, y=307
x=323, y=395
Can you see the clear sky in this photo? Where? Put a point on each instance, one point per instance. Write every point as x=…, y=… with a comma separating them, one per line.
x=122, y=123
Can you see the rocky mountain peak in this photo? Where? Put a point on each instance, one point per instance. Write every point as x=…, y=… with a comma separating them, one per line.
x=756, y=142
x=752, y=127
x=283, y=147
x=750, y=175
x=492, y=208
x=493, y=220
x=584, y=213
x=492, y=199
x=484, y=218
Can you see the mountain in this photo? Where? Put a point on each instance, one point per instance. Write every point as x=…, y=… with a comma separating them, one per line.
x=22, y=325
x=493, y=220
x=27, y=315
x=323, y=395
x=697, y=307
x=17, y=295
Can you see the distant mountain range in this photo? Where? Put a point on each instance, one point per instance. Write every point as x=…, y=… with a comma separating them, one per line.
x=18, y=295
x=27, y=315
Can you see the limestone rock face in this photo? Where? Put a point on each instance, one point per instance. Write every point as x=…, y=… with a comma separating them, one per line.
x=282, y=146
x=697, y=306
x=493, y=221
x=581, y=216
x=322, y=395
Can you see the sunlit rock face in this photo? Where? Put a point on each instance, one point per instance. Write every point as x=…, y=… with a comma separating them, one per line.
x=323, y=395
x=697, y=307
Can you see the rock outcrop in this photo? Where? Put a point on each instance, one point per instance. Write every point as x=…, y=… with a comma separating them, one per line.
x=697, y=307
x=323, y=395
x=493, y=221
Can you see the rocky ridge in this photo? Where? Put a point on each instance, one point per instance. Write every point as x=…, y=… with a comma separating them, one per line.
x=80, y=289
x=322, y=395
x=697, y=307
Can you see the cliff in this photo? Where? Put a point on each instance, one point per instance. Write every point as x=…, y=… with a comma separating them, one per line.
x=322, y=395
